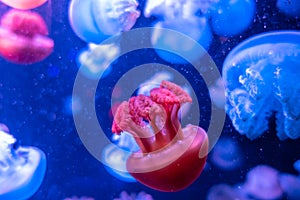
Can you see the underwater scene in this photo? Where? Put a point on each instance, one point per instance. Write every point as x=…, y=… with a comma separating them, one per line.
x=149, y=99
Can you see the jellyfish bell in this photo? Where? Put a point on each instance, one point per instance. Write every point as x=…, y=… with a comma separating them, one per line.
x=23, y=37
x=95, y=20
x=171, y=158
x=24, y=4
x=22, y=169
x=259, y=78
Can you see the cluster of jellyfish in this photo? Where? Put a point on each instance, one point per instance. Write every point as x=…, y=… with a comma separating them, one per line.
x=263, y=182
x=22, y=168
x=23, y=31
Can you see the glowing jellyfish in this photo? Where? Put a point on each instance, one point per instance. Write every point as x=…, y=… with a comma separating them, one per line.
x=259, y=76
x=115, y=156
x=95, y=20
x=297, y=166
x=230, y=18
x=289, y=7
x=24, y=4
x=171, y=158
x=179, y=16
x=263, y=183
x=226, y=154
x=95, y=61
x=140, y=196
x=225, y=192
x=22, y=169
x=23, y=37
x=290, y=185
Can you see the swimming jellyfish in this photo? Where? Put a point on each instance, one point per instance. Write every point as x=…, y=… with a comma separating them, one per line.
x=263, y=183
x=230, y=18
x=115, y=156
x=24, y=4
x=170, y=157
x=22, y=169
x=289, y=7
x=177, y=16
x=24, y=37
x=95, y=61
x=290, y=185
x=95, y=20
x=259, y=76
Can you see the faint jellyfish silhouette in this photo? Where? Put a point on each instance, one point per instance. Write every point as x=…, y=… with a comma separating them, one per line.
x=24, y=4
x=297, y=166
x=289, y=7
x=23, y=37
x=179, y=16
x=230, y=18
x=263, y=183
x=259, y=78
x=140, y=196
x=115, y=156
x=22, y=169
x=95, y=20
x=226, y=154
x=225, y=192
x=290, y=185
x=217, y=93
x=96, y=60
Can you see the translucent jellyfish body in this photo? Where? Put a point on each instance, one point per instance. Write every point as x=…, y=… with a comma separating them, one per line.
x=94, y=20
x=22, y=169
x=24, y=37
x=230, y=18
x=263, y=183
x=24, y=4
x=95, y=61
x=289, y=7
x=115, y=156
x=259, y=76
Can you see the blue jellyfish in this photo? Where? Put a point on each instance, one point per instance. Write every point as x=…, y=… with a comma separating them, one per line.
x=115, y=156
x=95, y=20
x=289, y=7
x=95, y=61
x=22, y=169
x=178, y=16
x=290, y=185
x=259, y=76
x=230, y=18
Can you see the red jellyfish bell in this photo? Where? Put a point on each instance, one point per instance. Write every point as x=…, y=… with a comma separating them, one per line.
x=23, y=37
x=171, y=158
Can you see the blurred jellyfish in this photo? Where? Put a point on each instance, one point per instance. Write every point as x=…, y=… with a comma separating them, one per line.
x=79, y=198
x=290, y=185
x=115, y=156
x=95, y=61
x=263, y=183
x=153, y=82
x=230, y=18
x=140, y=196
x=178, y=16
x=217, y=93
x=289, y=7
x=225, y=192
x=95, y=20
x=24, y=4
x=226, y=154
x=297, y=166
x=259, y=76
x=22, y=169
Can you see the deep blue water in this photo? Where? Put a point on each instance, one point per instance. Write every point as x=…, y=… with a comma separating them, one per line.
x=32, y=105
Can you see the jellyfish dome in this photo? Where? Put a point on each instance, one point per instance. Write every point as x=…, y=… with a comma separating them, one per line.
x=290, y=7
x=22, y=169
x=259, y=76
x=95, y=20
x=24, y=4
x=23, y=37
